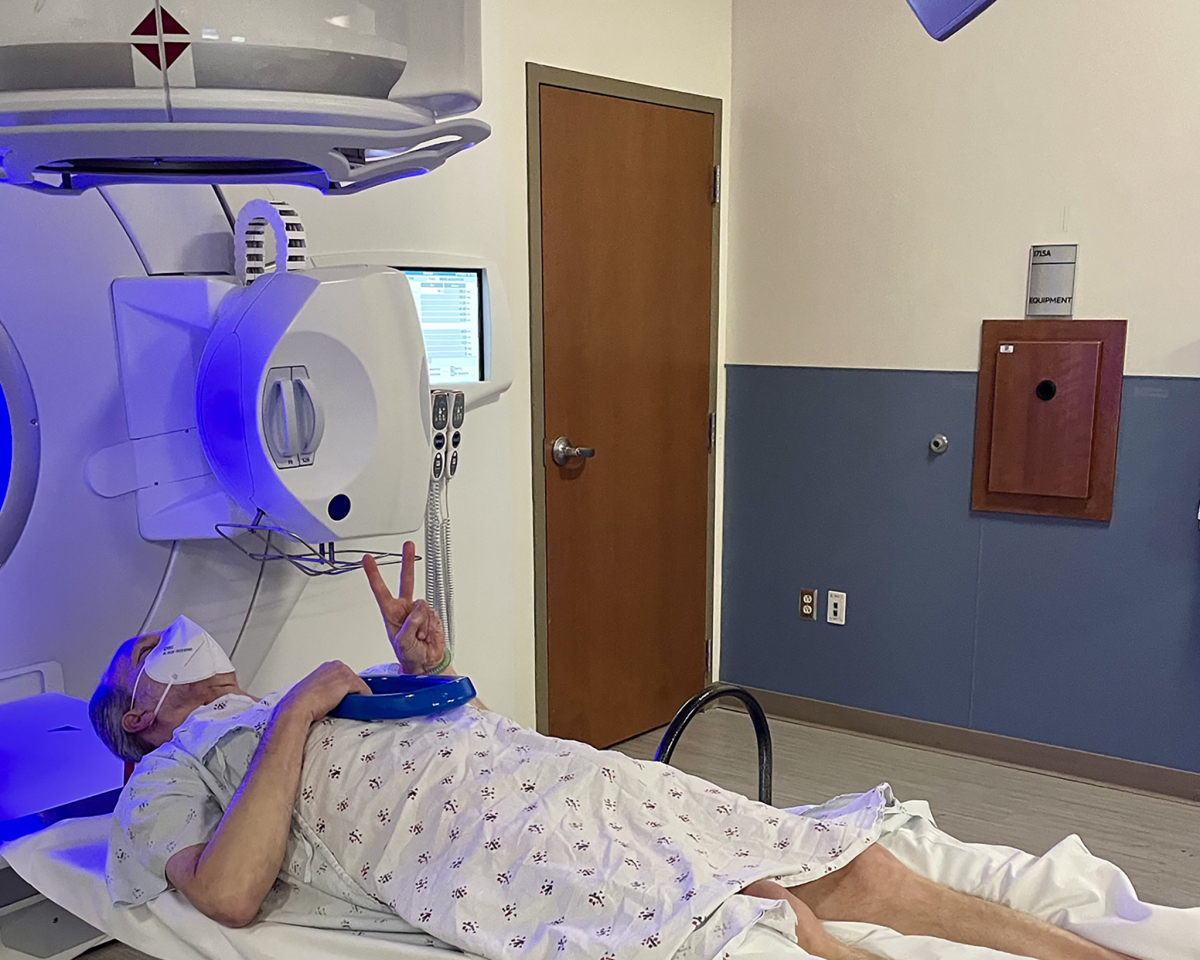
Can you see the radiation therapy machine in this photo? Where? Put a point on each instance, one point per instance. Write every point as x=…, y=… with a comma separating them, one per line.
x=203, y=406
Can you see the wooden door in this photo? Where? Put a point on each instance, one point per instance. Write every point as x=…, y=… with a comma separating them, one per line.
x=627, y=240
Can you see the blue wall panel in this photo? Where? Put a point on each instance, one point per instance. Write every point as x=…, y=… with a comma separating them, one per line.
x=829, y=484
x=1089, y=634
x=1080, y=634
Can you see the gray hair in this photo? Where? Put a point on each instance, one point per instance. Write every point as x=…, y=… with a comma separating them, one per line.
x=106, y=709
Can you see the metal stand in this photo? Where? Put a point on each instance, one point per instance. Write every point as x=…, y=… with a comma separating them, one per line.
x=701, y=700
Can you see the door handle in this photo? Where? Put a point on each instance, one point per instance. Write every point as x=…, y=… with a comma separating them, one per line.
x=563, y=452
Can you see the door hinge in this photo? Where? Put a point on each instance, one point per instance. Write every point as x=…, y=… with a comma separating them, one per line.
x=716, y=185
x=712, y=432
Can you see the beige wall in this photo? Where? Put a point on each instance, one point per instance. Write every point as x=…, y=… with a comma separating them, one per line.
x=885, y=188
x=477, y=205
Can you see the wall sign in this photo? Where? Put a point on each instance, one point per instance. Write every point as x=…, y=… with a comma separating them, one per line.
x=1051, y=290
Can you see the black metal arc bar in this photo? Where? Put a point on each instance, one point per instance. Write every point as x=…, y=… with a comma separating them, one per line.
x=762, y=731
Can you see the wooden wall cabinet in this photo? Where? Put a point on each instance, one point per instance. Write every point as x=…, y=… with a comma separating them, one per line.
x=1047, y=410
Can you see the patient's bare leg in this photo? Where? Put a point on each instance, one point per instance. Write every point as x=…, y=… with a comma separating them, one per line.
x=809, y=932
x=877, y=888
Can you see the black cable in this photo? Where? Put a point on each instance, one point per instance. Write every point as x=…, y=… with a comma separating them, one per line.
x=262, y=569
x=224, y=202
x=762, y=731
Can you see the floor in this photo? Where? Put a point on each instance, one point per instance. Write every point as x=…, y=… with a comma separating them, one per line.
x=1155, y=840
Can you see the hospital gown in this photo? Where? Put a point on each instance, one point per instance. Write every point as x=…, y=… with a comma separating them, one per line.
x=489, y=837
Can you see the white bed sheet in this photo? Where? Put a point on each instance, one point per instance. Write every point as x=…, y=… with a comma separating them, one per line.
x=65, y=862
x=1067, y=886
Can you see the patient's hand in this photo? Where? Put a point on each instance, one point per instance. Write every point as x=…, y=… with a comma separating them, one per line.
x=414, y=629
x=322, y=690
x=421, y=642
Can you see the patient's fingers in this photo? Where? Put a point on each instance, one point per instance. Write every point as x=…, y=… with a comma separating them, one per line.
x=382, y=594
x=420, y=618
x=408, y=574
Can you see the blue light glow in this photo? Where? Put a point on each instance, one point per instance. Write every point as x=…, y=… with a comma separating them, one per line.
x=5, y=448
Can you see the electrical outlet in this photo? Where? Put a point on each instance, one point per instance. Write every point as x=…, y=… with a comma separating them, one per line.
x=835, y=611
x=808, y=603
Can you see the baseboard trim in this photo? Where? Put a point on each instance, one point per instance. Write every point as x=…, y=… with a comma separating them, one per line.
x=1076, y=764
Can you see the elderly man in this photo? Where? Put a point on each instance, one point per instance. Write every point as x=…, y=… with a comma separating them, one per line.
x=486, y=836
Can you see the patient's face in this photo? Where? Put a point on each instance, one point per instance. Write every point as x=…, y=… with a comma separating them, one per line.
x=181, y=700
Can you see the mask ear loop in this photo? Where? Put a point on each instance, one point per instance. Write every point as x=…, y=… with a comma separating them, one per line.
x=133, y=696
x=136, y=680
x=161, y=699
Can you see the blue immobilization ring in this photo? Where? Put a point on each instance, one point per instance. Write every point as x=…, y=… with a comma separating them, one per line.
x=397, y=698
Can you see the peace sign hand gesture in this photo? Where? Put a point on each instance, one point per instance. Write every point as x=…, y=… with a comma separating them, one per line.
x=413, y=628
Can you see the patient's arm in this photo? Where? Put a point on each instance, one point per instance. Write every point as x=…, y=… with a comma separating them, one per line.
x=228, y=878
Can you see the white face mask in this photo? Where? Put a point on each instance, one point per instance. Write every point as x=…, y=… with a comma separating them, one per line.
x=186, y=653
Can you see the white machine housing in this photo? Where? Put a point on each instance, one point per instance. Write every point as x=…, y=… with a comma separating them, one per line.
x=312, y=401
x=497, y=321
x=272, y=399
x=186, y=480
x=334, y=95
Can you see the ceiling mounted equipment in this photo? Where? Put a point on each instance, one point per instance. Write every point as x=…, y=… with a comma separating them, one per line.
x=944, y=18
x=314, y=92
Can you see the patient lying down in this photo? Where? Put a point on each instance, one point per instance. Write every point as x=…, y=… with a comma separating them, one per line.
x=487, y=836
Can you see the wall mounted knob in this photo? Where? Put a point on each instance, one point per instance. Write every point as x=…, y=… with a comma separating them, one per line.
x=939, y=444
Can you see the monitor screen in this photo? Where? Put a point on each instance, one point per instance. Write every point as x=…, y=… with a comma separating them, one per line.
x=450, y=307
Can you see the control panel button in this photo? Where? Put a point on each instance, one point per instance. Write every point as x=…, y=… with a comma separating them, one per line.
x=441, y=411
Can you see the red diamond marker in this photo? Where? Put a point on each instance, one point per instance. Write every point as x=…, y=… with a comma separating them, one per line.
x=150, y=52
x=172, y=48
x=148, y=27
x=171, y=25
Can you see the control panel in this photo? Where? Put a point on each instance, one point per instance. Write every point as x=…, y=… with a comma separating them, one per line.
x=449, y=413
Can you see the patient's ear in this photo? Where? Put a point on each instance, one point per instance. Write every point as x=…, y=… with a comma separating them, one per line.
x=135, y=721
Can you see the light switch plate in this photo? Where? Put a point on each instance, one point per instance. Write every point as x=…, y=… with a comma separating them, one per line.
x=835, y=611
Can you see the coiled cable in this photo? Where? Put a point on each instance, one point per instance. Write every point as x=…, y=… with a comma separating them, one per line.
x=439, y=582
x=448, y=574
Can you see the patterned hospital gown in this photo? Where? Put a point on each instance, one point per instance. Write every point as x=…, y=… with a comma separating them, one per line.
x=489, y=837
